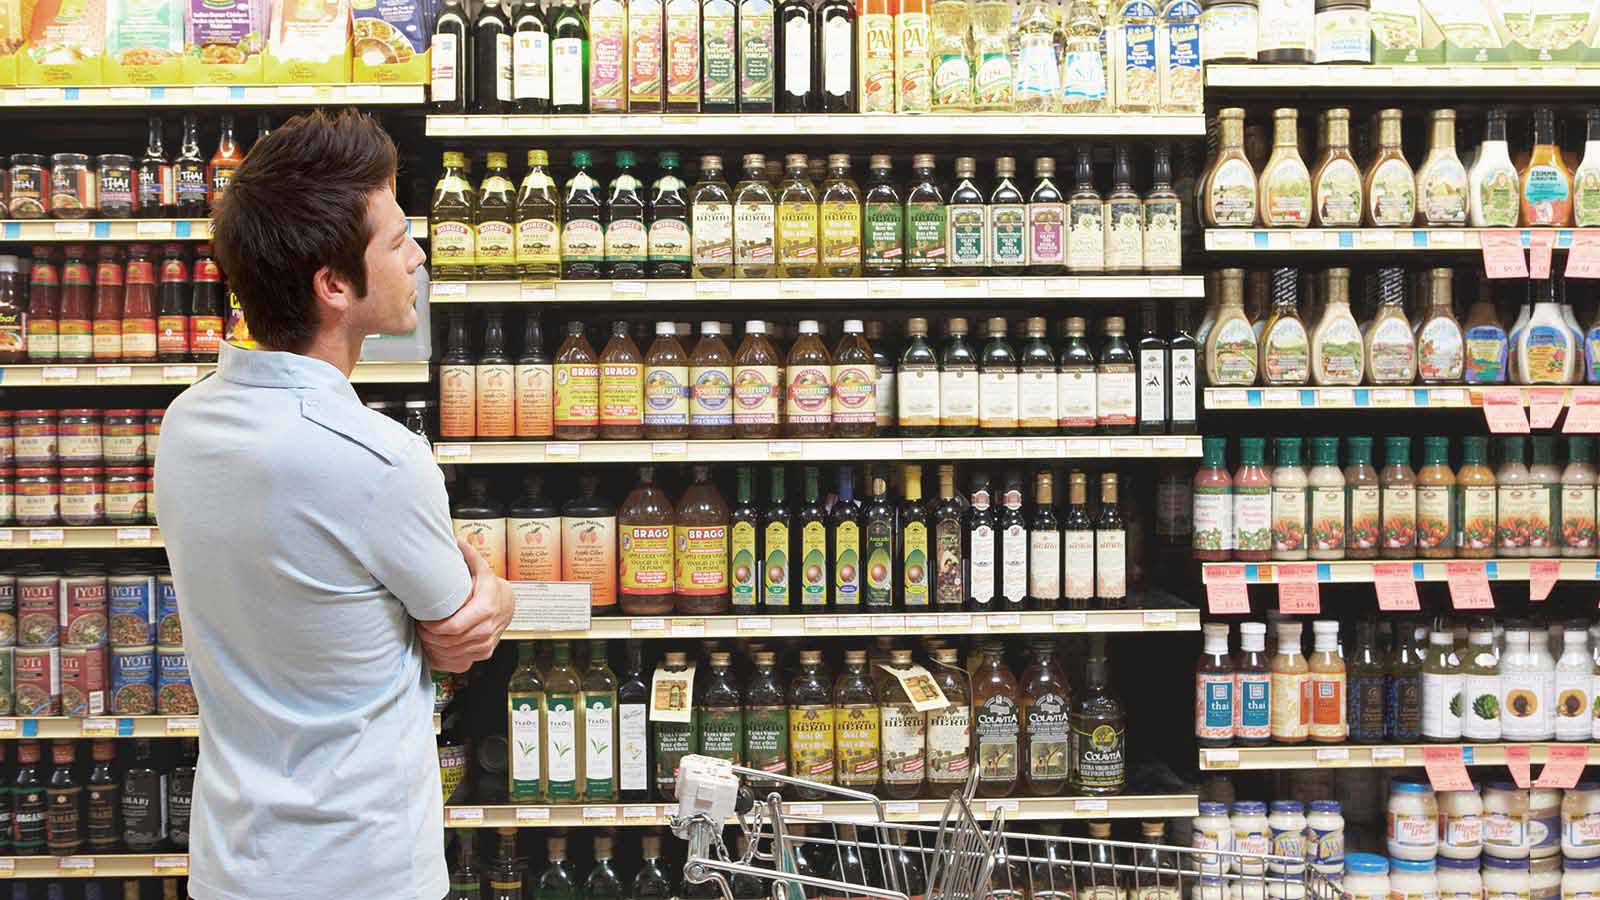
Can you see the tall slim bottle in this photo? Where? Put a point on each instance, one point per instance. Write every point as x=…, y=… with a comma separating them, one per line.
x=491, y=41
x=719, y=56
x=837, y=41
x=608, y=56
x=525, y=703
x=569, y=59
x=563, y=732
x=952, y=60
x=530, y=59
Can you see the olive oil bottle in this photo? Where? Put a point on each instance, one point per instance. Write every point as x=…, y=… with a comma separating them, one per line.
x=776, y=549
x=451, y=221
x=797, y=239
x=495, y=221
x=562, y=728
x=883, y=221
x=845, y=545
x=856, y=724
x=711, y=221
x=878, y=527
x=743, y=547
x=903, y=729
x=811, y=724
x=813, y=548
x=914, y=543
x=719, y=716
x=525, y=703
x=840, y=221
x=766, y=720
x=538, y=221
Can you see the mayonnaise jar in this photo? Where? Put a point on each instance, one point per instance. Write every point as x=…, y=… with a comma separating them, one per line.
x=1413, y=820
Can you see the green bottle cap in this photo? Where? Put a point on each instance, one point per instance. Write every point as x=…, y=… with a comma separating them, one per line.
x=1436, y=451
x=624, y=159
x=1252, y=450
x=580, y=158
x=1397, y=451
x=1474, y=450
x=1358, y=450
x=1288, y=451
x=1325, y=451
x=1512, y=449
x=1544, y=450
x=1580, y=449
x=668, y=159
x=1213, y=452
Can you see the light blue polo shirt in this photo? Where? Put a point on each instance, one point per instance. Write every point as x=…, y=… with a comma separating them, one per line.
x=306, y=533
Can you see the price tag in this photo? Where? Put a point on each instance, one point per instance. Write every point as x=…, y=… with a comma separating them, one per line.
x=826, y=623
x=8, y=868
x=608, y=813
x=1517, y=762
x=1297, y=590
x=712, y=287
x=1004, y=620
x=537, y=292
x=464, y=813
x=1090, y=806
x=1390, y=397
x=902, y=808
x=1069, y=619
x=98, y=728
x=1584, y=415
x=184, y=372
x=755, y=623
x=72, y=229
x=1045, y=447
x=1222, y=759
x=918, y=448
x=1157, y=618
x=486, y=123
x=533, y=814
x=1397, y=589
x=783, y=448
x=1002, y=449
x=1227, y=240
x=1445, y=769
x=1546, y=406
x=921, y=621
x=560, y=449
x=134, y=536
x=452, y=451
x=669, y=448
x=1377, y=240
x=635, y=813
x=1008, y=805
x=628, y=287
x=1171, y=287
x=113, y=373
x=1064, y=287
x=363, y=91
x=1447, y=397
x=690, y=628
x=962, y=449
x=1583, y=261
x=1226, y=594
x=648, y=625
x=153, y=229
x=1469, y=585
x=170, y=865
x=1333, y=754
x=76, y=865
x=1304, y=240
x=46, y=537
x=58, y=373
x=1563, y=766
x=1542, y=577
x=447, y=289
x=805, y=809
x=1502, y=254
x=885, y=287
x=1336, y=398
x=1444, y=237
x=1388, y=755
x=1541, y=241
x=1005, y=286
x=1502, y=409
x=189, y=726
x=886, y=623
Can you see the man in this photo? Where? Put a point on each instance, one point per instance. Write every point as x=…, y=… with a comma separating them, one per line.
x=310, y=541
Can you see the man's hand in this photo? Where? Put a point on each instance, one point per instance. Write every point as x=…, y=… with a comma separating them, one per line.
x=472, y=633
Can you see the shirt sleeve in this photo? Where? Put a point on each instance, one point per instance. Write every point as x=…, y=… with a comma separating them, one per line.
x=411, y=547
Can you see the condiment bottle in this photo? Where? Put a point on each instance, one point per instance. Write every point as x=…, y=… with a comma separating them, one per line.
x=1363, y=493
x=495, y=221
x=1546, y=181
x=1390, y=185
x=1436, y=501
x=1328, y=723
x=1229, y=188
x=1336, y=346
x=1252, y=503
x=138, y=307
x=1475, y=501
x=644, y=531
x=495, y=382
x=711, y=386
x=533, y=534
x=577, y=390
x=1327, y=489
x=1402, y=718
x=1365, y=673
x=538, y=215
x=589, y=544
x=1292, y=702
x=998, y=383
x=1440, y=345
x=711, y=221
x=1544, y=490
x=1485, y=340
x=1288, y=502
x=1577, y=506
x=1285, y=348
x=855, y=380
x=1495, y=184
x=1231, y=347
x=479, y=521
x=458, y=395
x=1586, y=180
x=917, y=383
x=1336, y=186
x=797, y=231
x=1163, y=218
x=1545, y=347
x=75, y=326
x=1512, y=497
x=224, y=164
x=1442, y=193
x=1252, y=687
x=107, y=307
x=1047, y=218
x=1038, y=394
x=701, y=548
x=1399, y=500
x=1076, y=390
x=1116, y=382
x=958, y=382
x=205, y=308
x=621, y=387
x=756, y=384
x=1214, y=690
x=1391, y=346
x=1122, y=221
x=534, y=378
x=583, y=237
x=1442, y=683
x=925, y=219
x=1285, y=183
x=1286, y=32
x=1212, y=535
x=808, y=406
x=1480, y=666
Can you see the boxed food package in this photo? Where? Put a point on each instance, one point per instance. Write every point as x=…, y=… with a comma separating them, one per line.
x=1473, y=32
x=1402, y=32
x=1557, y=31
x=144, y=42
x=390, y=41
x=223, y=40
x=65, y=41
x=13, y=30
x=308, y=42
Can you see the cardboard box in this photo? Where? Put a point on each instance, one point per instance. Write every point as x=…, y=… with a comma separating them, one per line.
x=13, y=32
x=144, y=42
x=65, y=42
x=1559, y=31
x=308, y=42
x=1473, y=32
x=223, y=41
x=1404, y=33
x=390, y=41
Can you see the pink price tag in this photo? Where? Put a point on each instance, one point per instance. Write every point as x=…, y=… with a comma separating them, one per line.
x=1502, y=254
x=1397, y=590
x=1502, y=409
x=1542, y=577
x=1445, y=769
x=1540, y=243
x=1297, y=590
x=1583, y=261
x=1546, y=406
x=1469, y=585
x=1584, y=416
x=1563, y=766
x=1226, y=594
x=1517, y=762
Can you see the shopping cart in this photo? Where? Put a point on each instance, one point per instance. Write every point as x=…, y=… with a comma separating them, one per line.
x=867, y=856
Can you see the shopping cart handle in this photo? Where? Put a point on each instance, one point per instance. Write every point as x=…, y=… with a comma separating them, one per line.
x=745, y=802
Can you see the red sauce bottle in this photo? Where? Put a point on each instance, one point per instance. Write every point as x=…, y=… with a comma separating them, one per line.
x=139, y=306
x=219, y=174
x=44, y=308
x=108, y=305
x=172, y=326
x=205, y=309
x=13, y=319
x=75, y=331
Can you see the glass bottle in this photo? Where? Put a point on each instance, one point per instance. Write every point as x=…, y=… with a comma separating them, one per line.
x=583, y=236
x=840, y=218
x=577, y=392
x=744, y=550
x=1045, y=236
x=854, y=379
x=1086, y=218
x=720, y=72
x=1044, y=547
x=538, y=218
x=1442, y=193
x=157, y=189
x=193, y=185
x=797, y=69
x=797, y=228
x=1390, y=185
x=711, y=386
x=952, y=61
x=860, y=749
x=1116, y=377
x=668, y=250
x=1083, y=60
x=1546, y=194
x=1110, y=548
x=1213, y=687
x=998, y=383
x=845, y=545
x=1012, y=526
x=1163, y=218
x=621, y=387
x=1495, y=184
x=1480, y=668
x=491, y=62
x=1047, y=707
x=958, y=382
x=671, y=741
x=556, y=882
x=807, y=377
x=1586, y=179
x=1078, y=545
x=883, y=222
x=1038, y=70
x=1336, y=351
x=1336, y=185
x=505, y=874
x=1285, y=183
x=1099, y=724
x=719, y=711
x=837, y=41
x=997, y=723
x=925, y=220
x=652, y=882
x=451, y=214
x=756, y=383
x=626, y=240
x=1403, y=687
x=530, y=59
x=563, y=728
x=980, y=546
x=878, y=525
x=450, y=72
x=1285, y=346
x=967, y=220
x=645, y=526
x=1123, y=221
x=1442, y=685
x=754, y=221
x=525, y=732
x=1038, y=395
x=1440, y=343
x=465, y=882
x=915, y=549
x=812, y=724
x=993, y=81
x=1577, y=506
x=711, y=222
x=777, y=549
x=1390, y=344
x=766, y=721
x=1229, y=186
x=646, y=56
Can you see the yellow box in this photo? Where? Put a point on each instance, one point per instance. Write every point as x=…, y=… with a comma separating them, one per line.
x=389, y=41
x=309, y=42
x=65, y=41
x=223, y=41
x=13, y=31
x=144, y=42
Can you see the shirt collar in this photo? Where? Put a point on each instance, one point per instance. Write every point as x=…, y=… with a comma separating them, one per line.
x=276, y=369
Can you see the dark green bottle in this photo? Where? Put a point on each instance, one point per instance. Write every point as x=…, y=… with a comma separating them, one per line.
x=583, y=237
x=878, y=525
x=557, y=881
x=766, y=720
x=627, y=243
x=720, y=711
x=925, y=221
x=883, y=222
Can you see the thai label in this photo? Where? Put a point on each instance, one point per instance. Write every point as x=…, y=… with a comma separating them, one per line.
x=813, y=564
x=647, y=563
x=811, y=742
x=1076, y=392
x=958, y=398
x=1291, y=705
x=668, y=241
x=721, y=734
x=1213, y=517
x=538, y=241
x=757, y=79
x=577, y=394
x=949, y=743
x=1252, y=517
x=775, y=570
x=967, y=224
x=1327, y=518
x=1287, y=189
x=719, y=45
x=1339, y=353
x=452, y=243
x=847, y=565
x=1086, y=244
x=925, y=234
x=710, y=396
x=1253, y=709
x=1288, y=518
x=711, y=233
x=583, y=240
x=1077, y=551
x=1049, y=737
x=766, y=739
x=1232, y=195
x=1545, y=194
x=666, y=395
x=980, y=565
x=1286, y=353
x=683, y=53
x=1538, y=517
x=856, y=733
x=949, y=585
x=917, y=387
x=1399, y=518
x=841, y=232
x=1546, y=350
x=1044, y=564
x=914, y=568
x=1578, y=515
x=1163, y=238
x=998, y=734
x=525, y=741
x=1038, y=401
x=885, y=230
x=742, y=548
x=880, y=564
x=754, y=234
x=1116, y=394
x=644, y=51
x=877, y=63
x=1434, y=507
x=1014, y=562
x=1213, y=706
x=561, y=737
x=905, y=732
x=1008, y=237
x=621, y=394
x=755, y=395
x=599, y=756
x=913, y=68
x=854, y=386
x=1233, y=352
x=809, y=394
x=838, y=49
x=608, y=30
x=1439, y=351
x=702, y=560
x=1047, y=235
x=1100, y=753
x=1393, y=201
x=1338, y=195
x=997, y=400
x=1110, y=563
x=1393, y=355
x=1442, y=192
x=797, y=234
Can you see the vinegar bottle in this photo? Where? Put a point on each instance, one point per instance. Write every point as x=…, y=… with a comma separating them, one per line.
x=644, y=528
x=534, y=376
x=577, y=391
x=458, y=395
x=621, y=387
x=854, y=382
x=807, y=404
x=495, y=380
x=666, y=387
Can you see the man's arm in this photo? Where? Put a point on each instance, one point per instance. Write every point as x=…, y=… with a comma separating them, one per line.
x=470, y=634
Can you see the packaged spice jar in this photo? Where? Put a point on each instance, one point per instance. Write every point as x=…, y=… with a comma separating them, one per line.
x=36, y=437
x=126, y=495
x=30, y=186
x=116, y=186
x=83, y=499
x=72, y=186
x=38, y=497
x=78, y=441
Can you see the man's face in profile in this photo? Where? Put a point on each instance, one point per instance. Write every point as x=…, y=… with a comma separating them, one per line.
x=390, y=304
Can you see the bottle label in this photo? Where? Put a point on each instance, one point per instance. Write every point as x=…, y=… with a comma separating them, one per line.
x=496, y=401
x=1547, y=354
x=997, y=400
x=877, y=63
x=980, y=565
x=561, y=734
x=1476, y=523
x=451, y=243
x=632, y=743
x=847, y=565
x=1163, y=238
x=853, y=389
x=702, y=560
x=1399, y=518
x=75, y=335
x=442, y=68
x=626, y=241
x=644, y=51
x=458, y=400
x=1044, y=564
x=712, y=233
x=841, y=232
x=1100, y=752
x=668, y=241
x=766, y=739
x=1364, y=504
x=1578, y=516
x=1110, y=564
x=925, y=234
x=666, y=395
x=1038, y=400
x=797, y=56
x=1213, y=518
x=1338, y=195
x=599, y=754
x=880, y=564
x=757, y=80
x=1086, y=241
x=683, y=53
x=722, y=734
x=566, y=72
x=858, y=732
x=914, y=569
x=1213, y=706
x=1049, y=737
x=811, y=731
x=608, y=29
x=1184, y=383
x=1288, y=519
x=1008, y=241
x=1252, y=517
x=753, y=231
x=525, y=744
x=1393, y=200
x=1291, y=705
x=809, y=394
x=1153, y=386
x=917, y=388
x=720, y=76
x=1047, y=244
x=646, y=560
x=838, y=51
x=1076, y=396
x=538, y=241
x=583, y=240
x=674, y=741
x=958, y=398
x=1014, y=563
x=775, y=570
x=1539, y=516
x=577, y=393
x=743, y=562
x=1078, y=550
x=952, y=81
x=914, y=68
x=797, y=234
x=1287, y=188
x=711, y=396
x=904, y=734
x=1586, y=197
x=1442, y=190
x=1327, y=518
x=530, y=65
x=998, y=739
x=1328, y=706
x=532, y=548
x=885, y=234
x=949, y=743
x=755, y=395
x=1232, y=194
x=967, y=225
x=949, y=584
x=621, y=393
x=1117, y=397
x=813, y=565
x=992, y=85
x=1440, y=350
x=1435, y=506
x=1254, y=693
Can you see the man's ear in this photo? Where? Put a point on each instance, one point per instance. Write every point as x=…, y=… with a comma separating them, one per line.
x=332, y=291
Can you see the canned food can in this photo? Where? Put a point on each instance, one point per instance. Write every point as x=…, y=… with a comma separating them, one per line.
x=83, y=610
x=169, y=629
x=174, y=691
x=8, y=610
x=83, y=681
x=131, y=599
x=6, y=675
x=36, y=673
x=133, y=681
x=38, y=611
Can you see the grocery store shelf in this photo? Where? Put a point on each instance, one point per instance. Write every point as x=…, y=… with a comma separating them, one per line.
x=47, y=231
x=84, y=537
x=1364, y=571
x=1223, y=399
x=1367, y=757
x=1400, y=78
x=692, y=126
x=791, y=289
x=1388, y=240
x=212, y=95
x=817, y=450
x=111, y=865
x=1123, y=807
x=869, y=625
x=139, y=374
x=99, y=727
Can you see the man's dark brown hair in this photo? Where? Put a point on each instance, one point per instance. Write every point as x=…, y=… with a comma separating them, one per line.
x=299, y=203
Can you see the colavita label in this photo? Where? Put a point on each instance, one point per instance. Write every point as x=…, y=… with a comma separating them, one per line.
x=811, y=742
x=577, y=394
x=853, y=390
x=646, y=560
x=702, y=560
x=857, y=733
x=1100, y=752
x=998, y=739
x=1048, y=737
x=533, y=549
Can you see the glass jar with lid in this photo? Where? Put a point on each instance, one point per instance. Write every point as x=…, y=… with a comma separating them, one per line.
x=1580, y=821
x=152, y=432
x=1580, y=879
x=1505, y=879
x=8, y=495
x=1544, y=823
x=78, y=441
x=36, y=437
x=1458, y=878
x=1505, y=821
x=30, y=186
x=1287, y=827
x=1544, y=878
x=1413, y=879
x=116, y=185
x=1344, y=31
x=8, y=437
x=72, y=186
x=1460, y=824
x=1228, y=31
x=38, y=497
x=1413, y=820
x=1212, y=831
x=1325, y=837
x=1366, y=877
x=83, y=495
x=127, y=495
x=1251, y=836
x=124, y=437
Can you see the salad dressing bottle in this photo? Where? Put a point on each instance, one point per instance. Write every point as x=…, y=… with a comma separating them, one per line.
x=1493, y=179
x=1475, y=501
x=1545, y=347
x=1229, y=190
x=1326, y=485
x=1439, y=341
x=1285, y=349
x=1336, y=187
x=1436, y=501
x=1336, y=347
x=1586, y=180
x=1546, y=182
x=1285, y=184
x=1363, y=499
x=1231, y=347
x=1399, y=507
x=1442, y=181
x=1511, y=498
x=1484, y=359
x=1390, y=346
x=1577, y=534
x=1390, y=185
x=1544, y=496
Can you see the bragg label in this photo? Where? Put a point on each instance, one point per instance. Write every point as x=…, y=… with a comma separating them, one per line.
x=702, y=560
x=743, y=564
x=533, y=550
x=858, y=739
x=811, y=742
x=755, y=395
x=854, y=389
x=809, y=394
x=577, y=393
x=621, y=394
x=646, y=559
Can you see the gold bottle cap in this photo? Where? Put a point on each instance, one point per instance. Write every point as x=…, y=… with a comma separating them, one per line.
x=650, y=844
x=755, y=161
x=958, y=325
x=996, y=327
x=922, y=161
x=710, y=161
x=497, y=159
x=677, y=658
x=882, y=161
x=946, y=655
x=1099, y=829
x=1077, y=326
x=855, y=657
x=900, y=657
x=455, y=159
x=966, y=167
x=1231, y=114
x=838, y=160
x=810, y=657
x=1036, y=326
x=1005, y=167
x=538, y=158
x=917, y=325
x=795, y=161
x=722, y=658
x=1115, y=325
x=1044, y=166
x=602, y=846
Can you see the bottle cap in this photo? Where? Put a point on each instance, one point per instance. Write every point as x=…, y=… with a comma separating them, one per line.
x=666, y=328
x=808, y=326
x=853, y=326
x=710, y=328
x=755, y=326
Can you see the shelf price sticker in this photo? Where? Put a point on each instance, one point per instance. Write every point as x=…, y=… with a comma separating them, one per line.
x=1469, y=585
x=46, y=537
x=1563, y=766
x=1222, y=759
x=902, y=808
x=1090, y=806
x=1226, y=594
x=1545, y=406
x=1502, y=409
x=1446, y=770
x=1397, y=587
x=1541, y=242
x=1009, y=806
x=133, y=536
x=1584, y=259
x=188, y=726
x=641, y=813
x=97, y=728
x=608, y=813
x=1297, y=590
x=1542, y=576
x=1584, y=416
x=1517, y=762
x=1332, y=755
x=75, y=865
x=8, y=868
x=1392, y=756
x=1502, y=254
x=532, y=814
x=464, y=814
x=170, y=865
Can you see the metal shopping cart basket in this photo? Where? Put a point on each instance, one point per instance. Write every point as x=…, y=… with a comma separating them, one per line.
x=960, y=858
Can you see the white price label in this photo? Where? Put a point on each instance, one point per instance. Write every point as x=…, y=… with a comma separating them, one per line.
x=153, y=229
x=533, y=814
x=885, y=288
x=783, y=448
x=1005, y=286
x=902, y=808
x=8, y=726
x=638, y=625
x=669, y=448
x=599, y=812
x=569, y=450
x=805, y=809
x=1063, y=287
x=921, y=621
x=1333, y=754
x=464, y=814
x=97, y=727
x=185, y=727
x=957, y=620
x=1226, y=758
x=59, y=373
x=180, y=371
x=447, y=289
x=628, y=287
x=886, y=623
x=641, y=812
x=1004, y=620
x=452, y=451
x=1000, y=448
x=1160, y=617
x=486, y=123
x=113, y=373
x=690, y=628
x=133, y=535
x=51, y=537
x=77, y=865
x=538, y=292
x=1090, y=806
x=1070, y=619
x=712, y=287
x=757, y=623
x=918, y=447
x=958, y=448
x=74, y=229
x=170, y=865
x=823, y=622
x=1007, y=805
x=1393, y=755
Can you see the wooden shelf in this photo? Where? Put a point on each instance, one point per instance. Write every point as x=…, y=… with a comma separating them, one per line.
x=820, y=450
x=638, y=126
x=1367, y=756
x=1395, y=79
x=1364, y=571
x=879, y=290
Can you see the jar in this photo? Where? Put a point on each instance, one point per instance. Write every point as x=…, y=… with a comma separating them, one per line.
x=1544, y=823
x=1228, y=31
x=1344, y=31
x=1505, y=821
x=1366, y=877
x=1581, y=879
x=1251, y=836
x=124, y=437
x=1287, y=827
x=1247, y=889
x=1460, y=824
x=1505, y=879
x=152, y=432
x=78, y=443
x=1580, y=821
x=150, y=490
x=1544, y=878
x=30, y=186
x=72, y=193
x=1209, y=887
x=8, y=437
x=1413, y=879
x=127, y=495
x=1459, y=878
x=1285, y=889
x=1325, y=836
x=1212, y=831
x=38, y=497
x=83, y=495
x=116, y=186
x=8, y=498
x=1413, y=820
x=36, y=437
